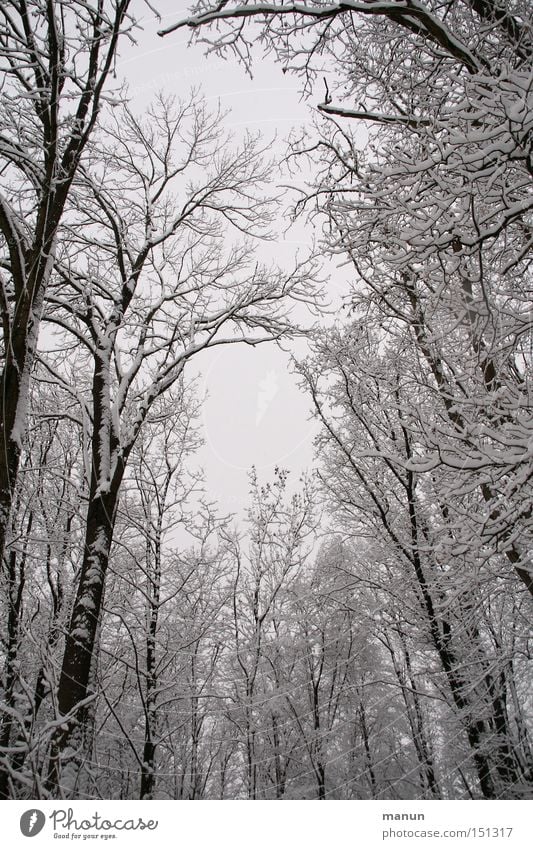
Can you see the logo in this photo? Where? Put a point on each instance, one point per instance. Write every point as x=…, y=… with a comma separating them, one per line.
x=267, y=391
x=32, y=822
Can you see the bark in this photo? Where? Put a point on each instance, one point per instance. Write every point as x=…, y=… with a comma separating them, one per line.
x=318, y=761
x=15, y=589
x=361, y=715
x=279, y=772
x=20, y=349
x=68, y=742
x=108, y=465
x=149, y=750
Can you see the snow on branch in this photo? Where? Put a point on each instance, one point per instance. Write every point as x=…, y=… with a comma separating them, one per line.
x=411, y=15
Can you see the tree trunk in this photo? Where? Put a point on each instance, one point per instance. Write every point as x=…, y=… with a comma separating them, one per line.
x=366, y=743
x=148, y=759
x=15, y=588
x=69, y=740
x=20, y=348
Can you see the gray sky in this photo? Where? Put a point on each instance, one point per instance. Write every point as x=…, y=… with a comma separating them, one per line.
x=254, y=413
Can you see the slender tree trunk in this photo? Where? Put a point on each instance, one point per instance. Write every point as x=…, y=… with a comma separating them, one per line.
x=149, y=750
x=15, y=578
x=441, y=636
x=506, y=760
x=148, y=760
x=250, y=753
x=366, y=743
x=279, y=771
x=520, y=560
x=54, y=636
x=196, y=723
x=415, y=717
x=419, y=735
x=318, y=761
x=148, y=763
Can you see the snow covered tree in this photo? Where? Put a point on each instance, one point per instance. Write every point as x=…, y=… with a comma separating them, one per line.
x=435, y=213
x=370, y=399
x=55, y=59
x=377, y=652
x=148, y=278
x=281, y=531
x=161, y=634
x=36, y=581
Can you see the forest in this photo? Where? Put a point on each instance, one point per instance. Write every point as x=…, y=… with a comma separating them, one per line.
x=362, y=631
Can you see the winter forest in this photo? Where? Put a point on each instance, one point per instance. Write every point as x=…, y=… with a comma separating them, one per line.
x=360, y=629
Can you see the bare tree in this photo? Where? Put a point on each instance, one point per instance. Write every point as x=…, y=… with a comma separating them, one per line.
x=149, y=278
x=56, y=58
x=440, y=197
x=372, y=476
x=36, y=580
x=161, y=634
x=281, y=530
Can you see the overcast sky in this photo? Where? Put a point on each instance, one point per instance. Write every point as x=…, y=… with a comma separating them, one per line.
x=254, y=413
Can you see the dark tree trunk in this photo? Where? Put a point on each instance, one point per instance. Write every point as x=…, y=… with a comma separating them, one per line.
x=441, y=637
x=20, y=347
x=15, y=578
x=148, y=760
x=69, y=740
x=366, y=743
